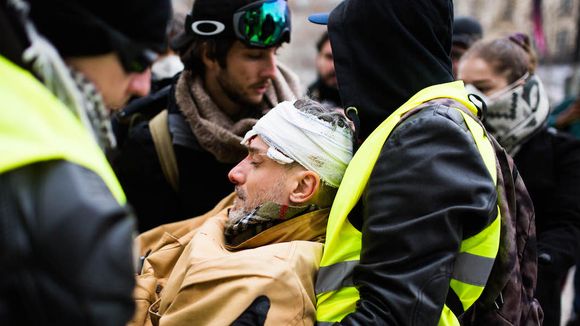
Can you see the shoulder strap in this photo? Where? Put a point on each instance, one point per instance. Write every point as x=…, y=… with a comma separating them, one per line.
x=162, y=140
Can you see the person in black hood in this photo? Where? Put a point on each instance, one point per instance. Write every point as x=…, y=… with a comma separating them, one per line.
x=423, y=186
x=378, y=74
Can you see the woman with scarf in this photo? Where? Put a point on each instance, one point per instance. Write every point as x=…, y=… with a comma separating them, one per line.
x=502, y=73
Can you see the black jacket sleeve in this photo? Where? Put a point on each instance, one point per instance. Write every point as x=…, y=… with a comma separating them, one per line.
x=428, y=190
x=561, y=207
x=67, y=258
x=549, y=164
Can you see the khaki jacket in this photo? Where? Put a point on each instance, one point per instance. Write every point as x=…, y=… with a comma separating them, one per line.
x=191, y=277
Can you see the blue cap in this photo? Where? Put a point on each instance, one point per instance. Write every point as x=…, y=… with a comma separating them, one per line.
x=320, y=19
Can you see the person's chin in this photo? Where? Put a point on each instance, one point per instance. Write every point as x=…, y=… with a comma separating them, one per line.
x=255, y=98
x=116, y=105
x=331, y=83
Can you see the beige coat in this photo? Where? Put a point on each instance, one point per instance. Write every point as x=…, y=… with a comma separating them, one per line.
x=191, y=277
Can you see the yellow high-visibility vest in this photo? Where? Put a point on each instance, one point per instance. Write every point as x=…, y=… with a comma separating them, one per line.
x=35, y=126
x=335, y=292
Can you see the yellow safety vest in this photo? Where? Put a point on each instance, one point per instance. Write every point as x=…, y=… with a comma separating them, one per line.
x=35, y=126
x=335, y=292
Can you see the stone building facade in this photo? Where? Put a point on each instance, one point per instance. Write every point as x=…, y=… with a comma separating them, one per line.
x=560, y=22
x=559, y=56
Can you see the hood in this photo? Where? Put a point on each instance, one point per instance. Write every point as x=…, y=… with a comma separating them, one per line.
x=386, y=51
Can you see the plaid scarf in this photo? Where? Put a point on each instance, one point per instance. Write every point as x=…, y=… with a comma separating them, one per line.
x=260, y=219
x=95, y=111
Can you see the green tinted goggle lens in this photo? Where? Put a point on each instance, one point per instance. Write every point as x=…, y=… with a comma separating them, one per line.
x=263, y=24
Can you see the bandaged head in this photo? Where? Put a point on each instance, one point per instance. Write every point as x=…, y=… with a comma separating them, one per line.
x=298, y=136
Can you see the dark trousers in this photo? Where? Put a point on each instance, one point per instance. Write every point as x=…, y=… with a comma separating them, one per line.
x=549, y=292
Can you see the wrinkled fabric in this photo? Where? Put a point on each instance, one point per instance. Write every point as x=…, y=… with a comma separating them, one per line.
x=517, y=113
x=430, y=188
x=376, y=74
x=314, y=143
x=260, y=219
x=139, y=171
x=190, y=276
x=214, y=130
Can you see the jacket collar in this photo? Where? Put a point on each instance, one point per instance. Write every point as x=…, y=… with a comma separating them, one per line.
x=308, y=227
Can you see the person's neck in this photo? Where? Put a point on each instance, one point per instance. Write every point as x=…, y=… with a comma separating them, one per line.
x=232, y=109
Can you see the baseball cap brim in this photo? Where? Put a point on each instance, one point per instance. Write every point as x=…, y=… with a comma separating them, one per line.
x=320, y=19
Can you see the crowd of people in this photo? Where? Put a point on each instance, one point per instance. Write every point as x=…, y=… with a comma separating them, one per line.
x=160, y=169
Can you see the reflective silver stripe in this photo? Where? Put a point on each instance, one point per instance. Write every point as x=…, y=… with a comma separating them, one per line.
x=472, y=269
x=335, y=276
x=324, y=323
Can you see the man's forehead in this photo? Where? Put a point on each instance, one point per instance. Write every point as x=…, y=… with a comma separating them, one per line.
x=256, y=144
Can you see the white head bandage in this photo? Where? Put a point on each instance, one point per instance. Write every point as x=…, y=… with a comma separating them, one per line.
x=294, y=135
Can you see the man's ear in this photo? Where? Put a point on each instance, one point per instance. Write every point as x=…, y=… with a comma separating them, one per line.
x=307, y=186
x=209, y=62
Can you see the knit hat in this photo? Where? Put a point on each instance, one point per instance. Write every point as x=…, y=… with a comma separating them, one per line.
x=88, y=27
x=466, y=30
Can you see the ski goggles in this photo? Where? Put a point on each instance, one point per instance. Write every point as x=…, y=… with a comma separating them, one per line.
x=263, y=24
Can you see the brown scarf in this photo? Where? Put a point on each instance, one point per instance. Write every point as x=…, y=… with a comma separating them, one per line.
x=215, y=131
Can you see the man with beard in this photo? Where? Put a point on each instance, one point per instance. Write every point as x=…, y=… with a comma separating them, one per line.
x=325, y=88
x=263, y=252
x=231, y=78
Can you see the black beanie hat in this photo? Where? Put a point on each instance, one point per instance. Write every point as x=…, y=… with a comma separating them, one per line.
x=83, y=27
x=466, y=30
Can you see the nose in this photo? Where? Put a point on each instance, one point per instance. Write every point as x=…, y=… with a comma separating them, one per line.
x=140, y=83
x=269, y=66
x=236, y=174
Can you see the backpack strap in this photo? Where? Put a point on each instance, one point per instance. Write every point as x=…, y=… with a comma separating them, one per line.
x=159, y=128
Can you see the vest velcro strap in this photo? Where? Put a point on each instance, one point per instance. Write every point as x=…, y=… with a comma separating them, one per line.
x=472, y=269
x=335, y=276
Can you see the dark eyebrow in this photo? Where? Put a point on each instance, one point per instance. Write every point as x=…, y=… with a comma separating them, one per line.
x=253, y=150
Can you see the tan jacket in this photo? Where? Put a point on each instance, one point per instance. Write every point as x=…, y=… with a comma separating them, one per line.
x=191, y=277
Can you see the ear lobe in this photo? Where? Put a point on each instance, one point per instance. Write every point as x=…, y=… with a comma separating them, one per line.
x=306, y=188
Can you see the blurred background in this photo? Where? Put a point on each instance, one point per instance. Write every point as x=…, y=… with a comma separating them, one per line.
x=553, y=25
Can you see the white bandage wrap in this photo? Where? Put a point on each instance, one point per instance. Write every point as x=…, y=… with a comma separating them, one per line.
x=297, y=136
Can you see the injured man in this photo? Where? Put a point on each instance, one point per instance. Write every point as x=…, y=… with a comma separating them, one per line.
x=253, y=259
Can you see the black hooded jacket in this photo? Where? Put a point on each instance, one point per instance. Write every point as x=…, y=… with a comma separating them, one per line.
x=387, y=51
x=429, y=188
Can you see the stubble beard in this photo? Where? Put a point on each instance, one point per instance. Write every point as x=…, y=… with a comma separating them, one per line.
x=235, y=94
x=243, y=207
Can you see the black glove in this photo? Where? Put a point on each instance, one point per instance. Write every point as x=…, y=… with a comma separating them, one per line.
x=255, y=314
